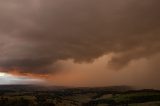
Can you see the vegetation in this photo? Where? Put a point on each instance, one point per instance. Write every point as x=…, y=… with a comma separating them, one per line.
x=80, y=97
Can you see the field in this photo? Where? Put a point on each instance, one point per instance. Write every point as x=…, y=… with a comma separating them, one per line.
x=106, y=96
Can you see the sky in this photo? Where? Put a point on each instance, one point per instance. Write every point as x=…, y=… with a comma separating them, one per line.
x=80, y=42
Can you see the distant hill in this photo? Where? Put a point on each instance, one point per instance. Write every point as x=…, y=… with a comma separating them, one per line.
x=29, y=88
x=53, y=88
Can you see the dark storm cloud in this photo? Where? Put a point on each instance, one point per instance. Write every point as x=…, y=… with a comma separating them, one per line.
x=35, y=34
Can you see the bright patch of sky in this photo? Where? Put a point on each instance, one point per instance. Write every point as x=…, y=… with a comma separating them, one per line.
x=10, y=79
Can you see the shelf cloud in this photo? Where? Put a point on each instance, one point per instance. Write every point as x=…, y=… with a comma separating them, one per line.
x=36, y=34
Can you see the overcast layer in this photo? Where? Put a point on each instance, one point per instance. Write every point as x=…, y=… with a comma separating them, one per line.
x=36, y=34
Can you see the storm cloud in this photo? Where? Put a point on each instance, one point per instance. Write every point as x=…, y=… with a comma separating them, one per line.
x=36, y=34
